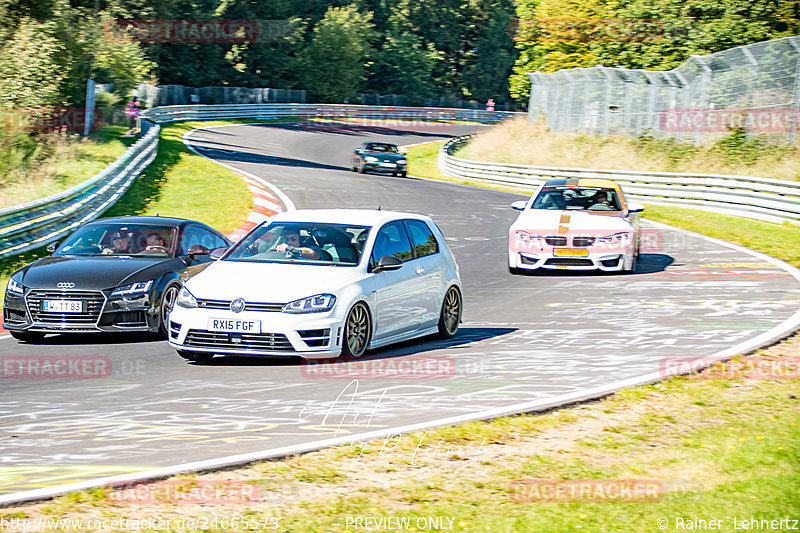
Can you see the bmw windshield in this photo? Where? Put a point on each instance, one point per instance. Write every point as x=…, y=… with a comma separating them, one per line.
x=302, y=242
x=120, y=239
x=582, y=198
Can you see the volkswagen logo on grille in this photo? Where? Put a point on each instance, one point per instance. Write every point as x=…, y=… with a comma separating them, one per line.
x=65, y=285
x=237, y=306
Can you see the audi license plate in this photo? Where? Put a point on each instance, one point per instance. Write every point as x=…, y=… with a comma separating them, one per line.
x=234, y=326
x=62, y=306
x=571, y=252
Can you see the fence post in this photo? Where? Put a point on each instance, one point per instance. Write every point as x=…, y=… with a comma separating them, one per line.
x=607, y=106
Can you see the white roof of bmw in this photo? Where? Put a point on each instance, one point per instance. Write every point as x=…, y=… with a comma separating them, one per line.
x=358, y=217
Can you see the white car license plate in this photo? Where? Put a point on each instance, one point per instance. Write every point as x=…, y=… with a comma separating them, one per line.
x=62, y=306
x=233, y=325
x=391, y=165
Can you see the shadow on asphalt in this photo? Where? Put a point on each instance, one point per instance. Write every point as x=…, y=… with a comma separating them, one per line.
x=647, y=264
x=463, y=339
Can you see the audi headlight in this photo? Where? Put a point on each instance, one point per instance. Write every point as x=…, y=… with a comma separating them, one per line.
x=371, y=159
x=186, y=299
x=616, y=238
x=312, y=304
x=140, y=287
x=15, y=286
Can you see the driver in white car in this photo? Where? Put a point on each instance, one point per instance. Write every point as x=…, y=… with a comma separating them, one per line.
x=291, y=243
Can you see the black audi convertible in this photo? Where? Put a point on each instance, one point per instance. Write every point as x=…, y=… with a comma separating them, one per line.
x=111, y=275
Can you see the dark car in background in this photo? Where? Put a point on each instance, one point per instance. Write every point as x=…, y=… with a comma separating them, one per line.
x=111, y=275
x=379, y=157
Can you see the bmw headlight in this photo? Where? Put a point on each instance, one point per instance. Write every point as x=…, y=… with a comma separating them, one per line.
x=616, y=238
x=371, y=159
x=312, y=304
x=524, y=236
x=15, y=286
x=186, y=299
x=140, y=287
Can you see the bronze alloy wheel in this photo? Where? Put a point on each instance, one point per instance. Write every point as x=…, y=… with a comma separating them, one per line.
x=451, y=313
x=357, y=331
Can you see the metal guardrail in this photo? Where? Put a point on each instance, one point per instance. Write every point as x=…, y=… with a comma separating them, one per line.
x=751, y=197
x=322, y=111
x=40, y=222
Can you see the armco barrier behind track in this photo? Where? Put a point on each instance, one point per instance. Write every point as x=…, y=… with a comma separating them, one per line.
x=752, y=197
x=38, y=223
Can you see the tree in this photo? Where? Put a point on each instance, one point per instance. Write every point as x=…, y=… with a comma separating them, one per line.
x=333, y=65
x=29, y=67
x=404, y=64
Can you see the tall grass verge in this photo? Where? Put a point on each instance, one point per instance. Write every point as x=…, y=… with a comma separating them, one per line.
x=519, y=142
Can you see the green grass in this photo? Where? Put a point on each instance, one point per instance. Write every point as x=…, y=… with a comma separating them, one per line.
x=73, y=160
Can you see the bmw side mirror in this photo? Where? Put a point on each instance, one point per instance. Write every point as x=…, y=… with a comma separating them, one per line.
x=388, y=262
x=635, y=208
x=52, y=247
x=217, y=253
x=519, y=205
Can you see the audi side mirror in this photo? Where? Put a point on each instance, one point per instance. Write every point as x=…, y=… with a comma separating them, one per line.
x=217, y=253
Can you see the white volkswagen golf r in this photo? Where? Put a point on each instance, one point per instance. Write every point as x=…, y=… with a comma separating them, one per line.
x=321, y=283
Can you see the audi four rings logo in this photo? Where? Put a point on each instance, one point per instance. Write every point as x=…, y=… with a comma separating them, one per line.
x=65, y=285
x=237, y=306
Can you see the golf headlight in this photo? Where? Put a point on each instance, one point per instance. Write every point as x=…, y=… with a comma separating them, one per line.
x=371, y=159
x=186, y=299
x=14, y=286
x=616, y=238
x=140, y=287
x=312, y=304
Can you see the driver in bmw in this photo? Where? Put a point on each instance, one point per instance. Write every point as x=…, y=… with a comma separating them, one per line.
x=291, y=244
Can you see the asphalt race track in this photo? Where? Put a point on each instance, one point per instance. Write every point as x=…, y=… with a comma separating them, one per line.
x=526, y=341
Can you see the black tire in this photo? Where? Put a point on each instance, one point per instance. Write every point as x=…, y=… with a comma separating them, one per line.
x=404, y=174
x=450, y=315
x=357, y=331
x=362, y=169
x=31, y=337
x=167, y=303
x=198, y=357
